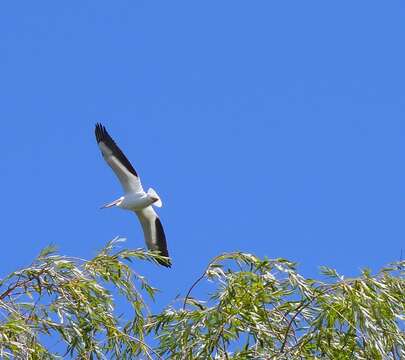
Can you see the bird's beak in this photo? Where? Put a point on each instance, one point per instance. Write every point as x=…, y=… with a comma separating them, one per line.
x=111, y=204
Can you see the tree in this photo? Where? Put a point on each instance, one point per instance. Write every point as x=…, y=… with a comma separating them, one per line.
x=260, y=309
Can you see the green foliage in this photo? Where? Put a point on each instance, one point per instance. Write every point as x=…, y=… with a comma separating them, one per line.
x=263, y=309
x=259, y=309
x=67, y=299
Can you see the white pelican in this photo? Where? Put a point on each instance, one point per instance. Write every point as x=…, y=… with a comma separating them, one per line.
x=135, y=198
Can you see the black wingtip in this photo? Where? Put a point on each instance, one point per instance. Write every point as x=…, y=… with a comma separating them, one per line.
x=102, y=135
x=166, y=262
x=100, y=132
x=162, y=244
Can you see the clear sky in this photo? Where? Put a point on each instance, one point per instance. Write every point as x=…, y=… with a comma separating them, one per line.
x=271, y=127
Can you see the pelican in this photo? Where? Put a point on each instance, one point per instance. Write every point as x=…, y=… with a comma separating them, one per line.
x=135, y=198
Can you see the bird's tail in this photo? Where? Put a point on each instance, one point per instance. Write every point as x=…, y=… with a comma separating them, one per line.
x=153, y=193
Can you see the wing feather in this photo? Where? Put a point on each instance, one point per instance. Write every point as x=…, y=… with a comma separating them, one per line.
x=153, y=232
x=118, y=162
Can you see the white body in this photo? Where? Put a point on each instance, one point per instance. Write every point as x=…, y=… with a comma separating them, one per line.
x=136, y=201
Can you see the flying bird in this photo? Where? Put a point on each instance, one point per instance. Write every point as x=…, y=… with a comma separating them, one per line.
x=135, y=198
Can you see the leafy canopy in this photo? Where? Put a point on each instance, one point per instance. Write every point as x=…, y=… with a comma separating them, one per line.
x=259, y=309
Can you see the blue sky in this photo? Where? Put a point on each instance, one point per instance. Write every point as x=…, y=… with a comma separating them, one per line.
x=275, y=128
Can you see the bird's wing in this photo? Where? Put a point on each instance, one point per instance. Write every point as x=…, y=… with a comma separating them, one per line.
x=153, y=231
x=114, y=157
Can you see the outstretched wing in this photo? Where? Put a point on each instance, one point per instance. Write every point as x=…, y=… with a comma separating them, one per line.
x=114, y=157
x=153, y=231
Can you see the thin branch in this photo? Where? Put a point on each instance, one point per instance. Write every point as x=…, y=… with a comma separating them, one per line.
x=299, y=310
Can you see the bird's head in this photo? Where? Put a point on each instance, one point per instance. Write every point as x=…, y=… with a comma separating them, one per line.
x=153, y=198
